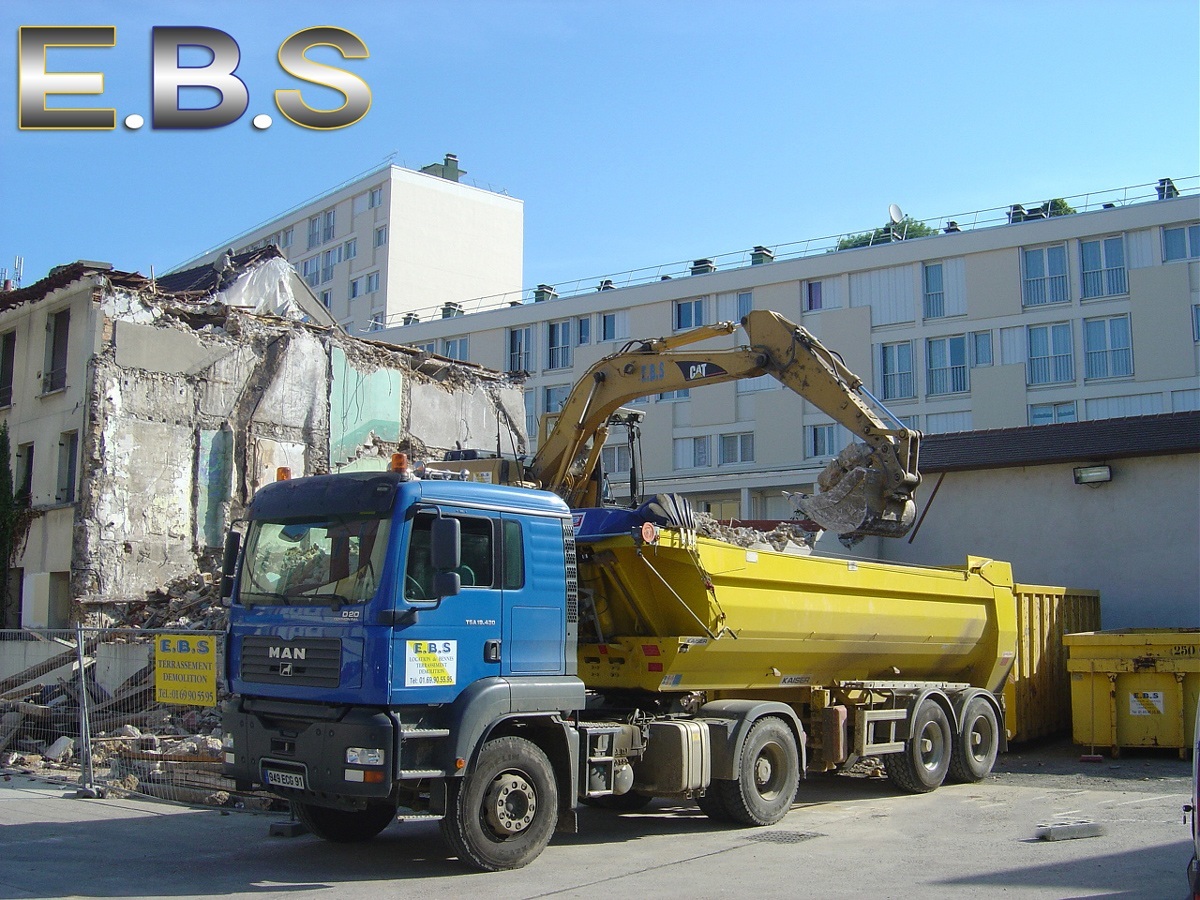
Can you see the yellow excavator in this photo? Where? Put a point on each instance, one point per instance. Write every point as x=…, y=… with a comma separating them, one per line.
x=866, y=490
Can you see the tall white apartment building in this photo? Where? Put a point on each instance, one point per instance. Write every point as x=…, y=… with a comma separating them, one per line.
x=377, y=249
x=1051, y=359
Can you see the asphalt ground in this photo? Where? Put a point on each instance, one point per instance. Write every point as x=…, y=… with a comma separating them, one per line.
x=845, y=837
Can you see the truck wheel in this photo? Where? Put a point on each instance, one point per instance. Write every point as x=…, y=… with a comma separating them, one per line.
x=977, y=744
x=768, y=774
x=344, y=826
x=501, y=815
x=712, y=805
x=921, y=766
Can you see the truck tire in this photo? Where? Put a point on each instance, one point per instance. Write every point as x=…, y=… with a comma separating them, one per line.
x=768, y=775
x=501, y=815
x=977, y=744
x=344, y=826
x=922, y=765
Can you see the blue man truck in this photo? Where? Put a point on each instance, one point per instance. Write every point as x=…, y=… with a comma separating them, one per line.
x=491, y=656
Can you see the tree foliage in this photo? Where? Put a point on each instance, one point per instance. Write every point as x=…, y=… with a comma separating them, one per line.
x=908, y=227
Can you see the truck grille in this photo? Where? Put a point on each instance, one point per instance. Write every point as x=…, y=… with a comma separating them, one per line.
x=315, y=662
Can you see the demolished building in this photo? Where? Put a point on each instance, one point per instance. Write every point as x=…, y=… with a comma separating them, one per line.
x=143, y=413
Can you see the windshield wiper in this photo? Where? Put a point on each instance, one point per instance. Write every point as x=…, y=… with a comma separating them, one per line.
x=337, y=601
x=275, y=594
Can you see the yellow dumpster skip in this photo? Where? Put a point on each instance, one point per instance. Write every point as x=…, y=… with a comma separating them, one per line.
x=1134, y=687
x=1037, y=697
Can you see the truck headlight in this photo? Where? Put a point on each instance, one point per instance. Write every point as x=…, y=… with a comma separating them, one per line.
x=364, y=756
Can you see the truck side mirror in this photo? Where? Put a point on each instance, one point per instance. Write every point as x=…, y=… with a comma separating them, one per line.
x=233, y=546
x=445, y=544
x=446, y=584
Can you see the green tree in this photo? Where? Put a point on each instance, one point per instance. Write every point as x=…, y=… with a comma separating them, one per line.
x=908, y=227
x=1060, y=207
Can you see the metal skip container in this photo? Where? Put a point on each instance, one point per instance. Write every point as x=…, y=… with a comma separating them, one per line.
x=1134, y=687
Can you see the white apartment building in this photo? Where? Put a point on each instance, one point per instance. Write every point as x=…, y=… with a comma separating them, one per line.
x=1004, y=319
x=384, y=245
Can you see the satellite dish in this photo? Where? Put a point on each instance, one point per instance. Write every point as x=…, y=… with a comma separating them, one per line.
x=895, y=214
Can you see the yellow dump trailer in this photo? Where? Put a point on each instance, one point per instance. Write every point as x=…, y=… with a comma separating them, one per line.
x=872, y=659
x=1134, y=687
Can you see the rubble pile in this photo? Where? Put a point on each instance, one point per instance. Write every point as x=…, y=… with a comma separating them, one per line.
x=786, y=537
x=191, y=603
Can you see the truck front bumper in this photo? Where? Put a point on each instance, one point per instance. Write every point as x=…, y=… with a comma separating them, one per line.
x=300, y=751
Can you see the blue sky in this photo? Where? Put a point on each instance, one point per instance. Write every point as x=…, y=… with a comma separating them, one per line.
x=636, y=133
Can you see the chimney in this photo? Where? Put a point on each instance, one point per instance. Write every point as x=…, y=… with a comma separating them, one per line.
x=544, y=292
x=760, y=255
x=8, y=286
x=410, y=319
x=606, y=285
x=1166, y=189
x=703, y=267
x=451, y=309
x=447, y=169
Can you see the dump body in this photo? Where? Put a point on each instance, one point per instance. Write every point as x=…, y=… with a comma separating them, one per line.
x=692, y=614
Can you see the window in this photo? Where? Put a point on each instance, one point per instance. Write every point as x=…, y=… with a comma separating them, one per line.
x=615, y=459
x=736, y=448
x=520, y=349
x=691, y=453
x=1107, y=350
x=558, y=340
x=745, y=303
x=1044, y=276
x=1052, y=413
x=812, y=296
x=1196, y=322
x=530, y=399
x=329, y=259
x=327, y=299
x=681, y=394
x=946, y=360
x=514, y=556
x=427, y=347
x=896, y=371
x=379, y=322
x=556, y=396
x=614, y=326
x=375, y=198
x=981, y=348
x=476, y=558
x=935, y=294
x=1181, y=243
x=583, y=330
x=25, y=482
x=350, y=249
x=68, y=451
x=8, y=358
x=311, y=270
x=285, y=238
x=1050, y=359
x=58, y=326
x=314, y=232
x=456, y=348
x=689, y=314
x=820, y=440
x=372, y=282
x=380, y=236
x=1103, y=266
x=357, y=287
x=327, y=226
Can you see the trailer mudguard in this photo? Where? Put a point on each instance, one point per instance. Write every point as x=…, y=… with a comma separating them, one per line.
x=729, y=723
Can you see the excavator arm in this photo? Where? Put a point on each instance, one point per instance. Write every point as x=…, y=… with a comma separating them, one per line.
x=865, y=493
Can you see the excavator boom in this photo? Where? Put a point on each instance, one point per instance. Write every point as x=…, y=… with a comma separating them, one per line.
x=866, y=492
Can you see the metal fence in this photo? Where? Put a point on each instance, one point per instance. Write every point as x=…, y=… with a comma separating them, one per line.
x=118, y=712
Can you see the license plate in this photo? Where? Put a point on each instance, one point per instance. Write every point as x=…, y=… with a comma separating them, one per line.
x=293, y=780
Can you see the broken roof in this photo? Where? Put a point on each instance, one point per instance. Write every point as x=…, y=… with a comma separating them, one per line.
x=1157, y=435
x=62, y=276
x=206, y=279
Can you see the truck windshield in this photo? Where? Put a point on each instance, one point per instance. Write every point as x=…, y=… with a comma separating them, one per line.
x=320, y=563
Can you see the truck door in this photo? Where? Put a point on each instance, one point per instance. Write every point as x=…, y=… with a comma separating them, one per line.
x=534, y=608
x=457, y=642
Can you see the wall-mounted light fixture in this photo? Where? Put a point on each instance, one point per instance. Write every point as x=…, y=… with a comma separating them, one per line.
x=1093, y=474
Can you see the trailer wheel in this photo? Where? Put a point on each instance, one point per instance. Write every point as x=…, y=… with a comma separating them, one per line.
x=344, y=826
x=502, y=814
x=977, y=744
x=922, y=765
x=768, y=774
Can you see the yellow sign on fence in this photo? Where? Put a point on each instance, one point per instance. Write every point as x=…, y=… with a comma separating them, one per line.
x=185, y=669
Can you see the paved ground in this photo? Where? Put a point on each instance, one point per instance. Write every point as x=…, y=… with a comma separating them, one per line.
x=845, y=838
